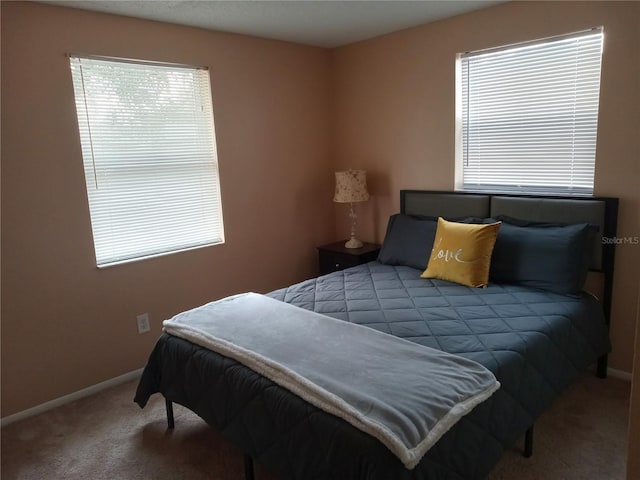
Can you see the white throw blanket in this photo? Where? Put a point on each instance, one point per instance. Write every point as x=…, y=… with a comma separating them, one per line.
x=404, y=394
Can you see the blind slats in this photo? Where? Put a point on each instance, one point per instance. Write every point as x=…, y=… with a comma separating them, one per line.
x=530, y=116
x=149, y=151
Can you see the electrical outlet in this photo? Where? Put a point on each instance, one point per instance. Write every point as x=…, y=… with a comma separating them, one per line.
x=143, y=323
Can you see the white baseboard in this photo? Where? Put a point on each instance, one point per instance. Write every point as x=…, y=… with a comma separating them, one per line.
x=619, y=374
x=85, y=392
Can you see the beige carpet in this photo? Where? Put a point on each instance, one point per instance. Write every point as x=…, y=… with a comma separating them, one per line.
x=107, y=436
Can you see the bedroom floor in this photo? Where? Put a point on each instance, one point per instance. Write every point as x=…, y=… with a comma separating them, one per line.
x=107, y=436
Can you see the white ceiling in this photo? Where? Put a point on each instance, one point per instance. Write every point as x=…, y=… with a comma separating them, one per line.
x=322, y=23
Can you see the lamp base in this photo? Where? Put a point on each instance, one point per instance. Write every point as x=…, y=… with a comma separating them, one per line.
x=353, y=243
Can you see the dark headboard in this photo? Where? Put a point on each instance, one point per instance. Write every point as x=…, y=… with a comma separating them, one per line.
x=601, y=211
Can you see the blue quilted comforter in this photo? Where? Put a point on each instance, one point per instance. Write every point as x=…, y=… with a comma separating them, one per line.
x=536, y=343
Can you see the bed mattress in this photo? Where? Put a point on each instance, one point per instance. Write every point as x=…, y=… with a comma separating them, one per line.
x=535, y=342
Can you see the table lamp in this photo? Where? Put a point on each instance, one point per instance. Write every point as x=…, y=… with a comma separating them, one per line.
x=351, y=187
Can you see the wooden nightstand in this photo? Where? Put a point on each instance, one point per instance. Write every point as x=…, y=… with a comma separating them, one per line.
x=335, y=256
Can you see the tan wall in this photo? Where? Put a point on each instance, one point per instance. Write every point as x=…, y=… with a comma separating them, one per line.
x=394, y=117
x=633, y=459
x=67, y=325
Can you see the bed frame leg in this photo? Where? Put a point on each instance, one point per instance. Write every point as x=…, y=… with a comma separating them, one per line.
x=248, y=461
x=528, y=442
x=170, y=423
x=601, y=370
x=248, y=467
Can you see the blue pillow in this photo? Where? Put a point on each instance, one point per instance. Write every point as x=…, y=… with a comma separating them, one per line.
x=553, y=257
x=408, y=241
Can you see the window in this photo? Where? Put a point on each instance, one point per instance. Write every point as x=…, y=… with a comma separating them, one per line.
x=150, y=162
x=527, y=116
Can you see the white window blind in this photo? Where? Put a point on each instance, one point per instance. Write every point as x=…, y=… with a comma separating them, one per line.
x=530, y=116
x=150, y=162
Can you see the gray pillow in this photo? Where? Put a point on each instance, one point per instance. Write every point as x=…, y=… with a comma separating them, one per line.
x=408, y=241
x=552, y=257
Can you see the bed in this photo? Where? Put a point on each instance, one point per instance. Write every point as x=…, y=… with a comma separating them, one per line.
x=532, y=330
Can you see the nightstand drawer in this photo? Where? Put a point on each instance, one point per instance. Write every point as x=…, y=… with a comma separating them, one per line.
x=336, y=256
x=333, y=263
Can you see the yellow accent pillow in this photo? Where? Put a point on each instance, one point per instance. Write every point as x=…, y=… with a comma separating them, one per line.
x=462, y=252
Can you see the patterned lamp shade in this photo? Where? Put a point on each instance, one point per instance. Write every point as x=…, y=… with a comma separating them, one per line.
x=351, y=186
